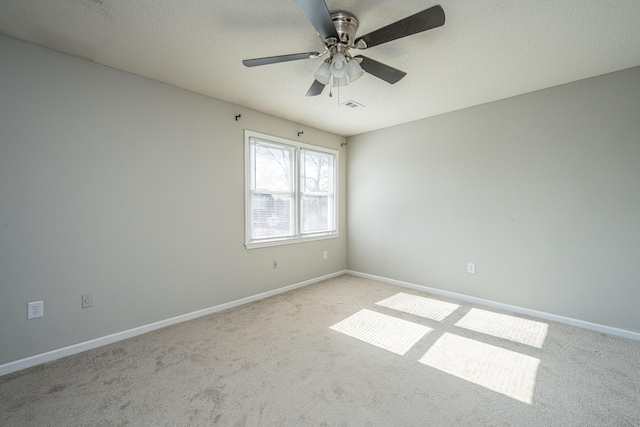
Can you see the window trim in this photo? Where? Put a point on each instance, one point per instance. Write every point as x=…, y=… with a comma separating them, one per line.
x=298, y=236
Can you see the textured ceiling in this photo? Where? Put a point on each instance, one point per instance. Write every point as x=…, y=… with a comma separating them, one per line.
x=487, y=50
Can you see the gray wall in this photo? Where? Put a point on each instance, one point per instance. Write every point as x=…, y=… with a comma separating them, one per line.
x=541, y=191
x=130, y=189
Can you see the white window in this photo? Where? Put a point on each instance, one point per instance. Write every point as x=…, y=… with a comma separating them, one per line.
x=290, y=191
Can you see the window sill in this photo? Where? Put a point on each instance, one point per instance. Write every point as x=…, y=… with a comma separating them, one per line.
x=289, y=241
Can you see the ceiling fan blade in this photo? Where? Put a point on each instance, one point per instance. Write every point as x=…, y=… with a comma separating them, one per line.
x=421, y=21
x=281, y=58
x=318, y=13
x=380, y=70
x=315, y=89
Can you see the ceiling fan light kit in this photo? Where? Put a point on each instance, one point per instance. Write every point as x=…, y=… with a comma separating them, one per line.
x=324, y=72
x=338, y=32
x=340, y=81
x=338, y=65
x=354, y=70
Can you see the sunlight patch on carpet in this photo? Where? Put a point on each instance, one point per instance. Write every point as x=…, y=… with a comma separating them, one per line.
x=383, y=331
x=503, y=371
x=420, y=306
x=511, y=328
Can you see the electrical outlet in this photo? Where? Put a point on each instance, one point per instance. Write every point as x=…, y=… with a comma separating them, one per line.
x=471, y=268
x=87, y=300
x=35, y=309
x=275, y=264
x=325, y=255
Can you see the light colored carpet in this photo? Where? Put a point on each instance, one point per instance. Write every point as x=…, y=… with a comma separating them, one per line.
x=344, y=352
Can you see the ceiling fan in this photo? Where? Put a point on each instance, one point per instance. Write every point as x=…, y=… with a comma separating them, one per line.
x=338, y=30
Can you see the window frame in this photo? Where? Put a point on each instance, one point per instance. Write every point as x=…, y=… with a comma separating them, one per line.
x=298, y=148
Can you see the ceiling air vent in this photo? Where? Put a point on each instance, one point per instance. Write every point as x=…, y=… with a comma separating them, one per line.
x=353, y=104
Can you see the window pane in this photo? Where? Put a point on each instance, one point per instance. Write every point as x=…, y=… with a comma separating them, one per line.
x=271, y=216
x=317, y=174
x=317, y=214
x=291, y=191
x=272, y=167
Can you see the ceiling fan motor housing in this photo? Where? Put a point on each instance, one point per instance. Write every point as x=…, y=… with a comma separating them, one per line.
x=346, y=25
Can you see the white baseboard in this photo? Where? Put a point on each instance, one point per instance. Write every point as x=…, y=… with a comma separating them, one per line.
x=512, y=308
x=49, y=356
